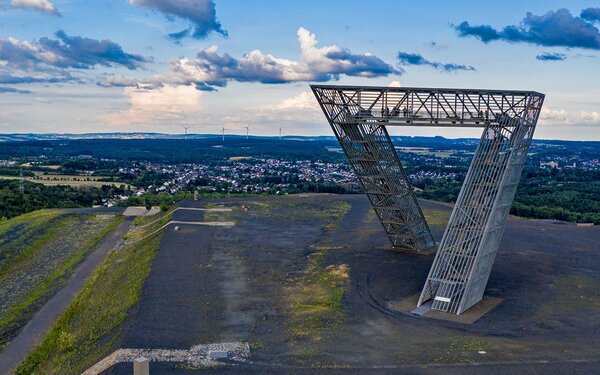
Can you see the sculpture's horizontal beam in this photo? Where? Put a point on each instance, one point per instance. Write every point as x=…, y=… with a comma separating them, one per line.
x=407, y=106
x=379, y=89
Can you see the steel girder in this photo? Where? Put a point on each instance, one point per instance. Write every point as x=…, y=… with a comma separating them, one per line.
x=359, y=116
x=371, y=153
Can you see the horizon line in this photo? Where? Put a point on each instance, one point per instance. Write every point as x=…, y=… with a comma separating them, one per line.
x=182, y=135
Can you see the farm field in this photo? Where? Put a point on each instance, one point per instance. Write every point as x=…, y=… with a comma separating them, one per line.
x=426, y=151
x=38, y=252
x=70, y=180
x=310, y=283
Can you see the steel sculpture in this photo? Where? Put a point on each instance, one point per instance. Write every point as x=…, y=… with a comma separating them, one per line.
x=359, y=116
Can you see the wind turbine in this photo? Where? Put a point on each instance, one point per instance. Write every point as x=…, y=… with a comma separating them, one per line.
x=223, y=130
x=247, y=130
x=185, y=129
x=280, y=134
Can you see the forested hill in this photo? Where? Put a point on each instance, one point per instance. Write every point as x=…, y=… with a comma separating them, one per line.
x=198, y=149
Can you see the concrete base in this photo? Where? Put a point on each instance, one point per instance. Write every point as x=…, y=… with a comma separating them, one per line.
x=424, y=308
x=470, y=316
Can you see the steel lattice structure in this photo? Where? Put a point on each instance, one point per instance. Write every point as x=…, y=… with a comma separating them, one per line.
x=359, y=116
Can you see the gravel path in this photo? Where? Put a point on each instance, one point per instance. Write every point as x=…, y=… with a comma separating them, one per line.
x=18, y=348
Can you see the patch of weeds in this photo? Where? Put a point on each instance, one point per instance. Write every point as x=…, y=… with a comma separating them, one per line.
x=462, y=350
x=369, y=217
x=255, y=345
x=316, y=299
x=213, y=216
x=327, y=248
x=142, y=220
x=436, y=216
x=65, y=341
x=570, y=294
x=333, y=215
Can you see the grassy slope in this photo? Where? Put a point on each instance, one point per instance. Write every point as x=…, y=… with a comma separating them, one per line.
x=87, y=331
x=20, y=313
x=38, y=227
x=29, y=218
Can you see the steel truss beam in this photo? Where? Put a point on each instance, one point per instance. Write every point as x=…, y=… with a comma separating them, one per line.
x=371, y=153
x=359, y=116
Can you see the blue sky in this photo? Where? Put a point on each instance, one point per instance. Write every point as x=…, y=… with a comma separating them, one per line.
x=156, y=65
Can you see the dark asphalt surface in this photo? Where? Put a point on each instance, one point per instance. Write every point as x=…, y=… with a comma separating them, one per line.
x=174, y=285
x=39, y=324
x=588, y=368
x=201, y=285
x=220, y=284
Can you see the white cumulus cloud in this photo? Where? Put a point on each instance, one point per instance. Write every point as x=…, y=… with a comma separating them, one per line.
x=590, y=117
x=211, y=69
x=558, y=117
x=300, y=111
x=44, y=6
x=167, y=104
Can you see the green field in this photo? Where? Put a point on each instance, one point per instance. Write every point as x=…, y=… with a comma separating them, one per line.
x=69, y=180
x=426, y=151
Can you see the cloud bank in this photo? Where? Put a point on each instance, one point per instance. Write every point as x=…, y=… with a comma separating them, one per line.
x=300, y=110
x=405, y=58
x=210, y=69
x=200, y=13
x=554, y=29
x=166, y=104
x=66, y=52
x=559, y=117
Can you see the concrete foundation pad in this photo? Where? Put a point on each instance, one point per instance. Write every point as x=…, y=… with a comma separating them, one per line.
x=470, y=316
x=424, y=308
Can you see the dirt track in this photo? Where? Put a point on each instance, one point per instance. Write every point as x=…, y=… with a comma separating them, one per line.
x=219, y=284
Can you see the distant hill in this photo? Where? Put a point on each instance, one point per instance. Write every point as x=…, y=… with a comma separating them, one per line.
x=15, y=137
x=175, y=148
